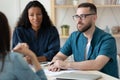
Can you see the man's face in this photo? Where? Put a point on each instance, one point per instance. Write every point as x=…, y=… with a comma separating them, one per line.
x=84, y=19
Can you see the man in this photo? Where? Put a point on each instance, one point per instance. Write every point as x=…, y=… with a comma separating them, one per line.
x=92, y=48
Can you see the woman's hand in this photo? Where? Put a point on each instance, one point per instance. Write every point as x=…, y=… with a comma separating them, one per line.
x=24, y=49
x=27, y=58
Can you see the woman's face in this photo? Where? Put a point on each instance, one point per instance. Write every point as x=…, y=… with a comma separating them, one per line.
x=35, y=17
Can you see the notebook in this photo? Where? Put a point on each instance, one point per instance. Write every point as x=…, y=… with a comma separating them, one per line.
x=77, y=76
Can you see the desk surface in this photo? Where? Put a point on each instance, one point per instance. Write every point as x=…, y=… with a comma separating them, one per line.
x=50, y=75
x=104, y=76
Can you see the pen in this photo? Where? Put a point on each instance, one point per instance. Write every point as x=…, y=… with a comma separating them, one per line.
x=51, y=63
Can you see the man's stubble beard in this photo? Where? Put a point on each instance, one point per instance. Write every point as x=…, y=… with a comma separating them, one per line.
x=85, y=28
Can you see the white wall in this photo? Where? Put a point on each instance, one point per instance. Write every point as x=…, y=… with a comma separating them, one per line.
x=13, y=9
x=46, y=4
x=106, y=17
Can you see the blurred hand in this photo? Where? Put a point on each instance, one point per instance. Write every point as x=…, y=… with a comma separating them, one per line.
x=61, y=64
x=30, y=55
x=28, y=59
x=23, y=49
x=53, y=68
x=57, y=65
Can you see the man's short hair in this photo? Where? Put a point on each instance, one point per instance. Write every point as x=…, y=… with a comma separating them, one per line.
x=90, y=5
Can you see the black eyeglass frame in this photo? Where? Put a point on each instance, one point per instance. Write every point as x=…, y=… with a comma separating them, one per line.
x=82, y=16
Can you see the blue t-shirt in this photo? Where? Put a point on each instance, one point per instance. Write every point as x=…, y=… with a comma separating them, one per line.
x=16, y=68
x=47, y=42
x=102, y=43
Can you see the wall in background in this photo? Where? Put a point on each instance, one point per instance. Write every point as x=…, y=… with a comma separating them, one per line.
x=106, y=17
x=13, y=9
x=46, y=4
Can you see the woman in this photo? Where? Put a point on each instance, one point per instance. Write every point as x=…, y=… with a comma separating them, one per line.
x=36, y=30
x=12, y=64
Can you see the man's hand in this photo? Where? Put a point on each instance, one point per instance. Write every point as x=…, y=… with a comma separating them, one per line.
x=58, y=65
x=61, y=64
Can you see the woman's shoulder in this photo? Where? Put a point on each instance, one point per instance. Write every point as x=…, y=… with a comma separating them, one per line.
x=22, y=29
x=14, y=55
x=52, y=29
x=18, y=60
x=19, y=28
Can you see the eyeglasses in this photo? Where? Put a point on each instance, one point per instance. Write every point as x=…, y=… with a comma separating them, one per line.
x=82, y=16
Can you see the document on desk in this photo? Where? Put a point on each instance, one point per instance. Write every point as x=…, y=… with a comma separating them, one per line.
x=50, y=73
x=72, y=75
x=77, y=76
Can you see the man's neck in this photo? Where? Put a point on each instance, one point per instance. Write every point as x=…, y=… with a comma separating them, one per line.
x=89, y=34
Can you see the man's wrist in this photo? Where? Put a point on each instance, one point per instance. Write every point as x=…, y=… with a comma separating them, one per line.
x=68, y=65
x=56, y=58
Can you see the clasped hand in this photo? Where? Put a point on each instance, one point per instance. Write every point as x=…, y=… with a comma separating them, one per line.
x=23, y=48
x=57, y=65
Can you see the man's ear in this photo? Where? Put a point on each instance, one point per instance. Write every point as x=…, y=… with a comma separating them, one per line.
x=95, y=18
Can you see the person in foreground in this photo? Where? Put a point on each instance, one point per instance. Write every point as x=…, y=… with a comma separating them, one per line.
x=12, y=64
x=92, y=48
x=36, y=30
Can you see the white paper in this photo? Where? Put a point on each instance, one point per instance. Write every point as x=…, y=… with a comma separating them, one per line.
x=50, y=73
